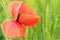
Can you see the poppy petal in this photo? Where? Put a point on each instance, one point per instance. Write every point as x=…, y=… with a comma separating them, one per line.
x=26, y=9
x=19, y=7
x=13, y=8
x=28, y=19
x=12, y=29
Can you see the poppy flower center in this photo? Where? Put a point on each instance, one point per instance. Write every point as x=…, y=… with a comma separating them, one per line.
x=18, y=17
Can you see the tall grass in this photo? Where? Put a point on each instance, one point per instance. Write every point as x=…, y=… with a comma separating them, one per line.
x=48, y=27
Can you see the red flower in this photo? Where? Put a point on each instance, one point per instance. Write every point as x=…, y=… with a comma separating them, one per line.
x=27, y=15
x=21, y=14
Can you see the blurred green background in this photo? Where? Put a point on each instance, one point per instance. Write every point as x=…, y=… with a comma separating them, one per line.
x=48, y=28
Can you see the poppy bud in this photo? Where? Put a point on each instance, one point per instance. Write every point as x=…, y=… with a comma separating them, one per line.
x=12, y=29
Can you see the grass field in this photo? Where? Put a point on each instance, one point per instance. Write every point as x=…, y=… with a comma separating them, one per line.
x=47, y=28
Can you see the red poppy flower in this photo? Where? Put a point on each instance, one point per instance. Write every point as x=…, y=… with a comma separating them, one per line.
x=27, y=14
x=21, y=14
x=12, y=29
